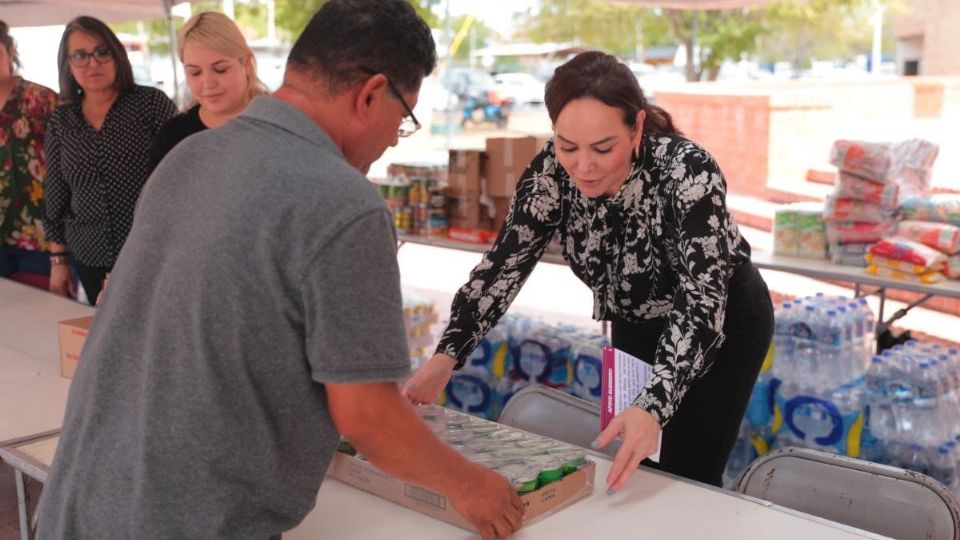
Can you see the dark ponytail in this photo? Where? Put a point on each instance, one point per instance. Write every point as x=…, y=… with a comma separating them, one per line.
x=597, y=75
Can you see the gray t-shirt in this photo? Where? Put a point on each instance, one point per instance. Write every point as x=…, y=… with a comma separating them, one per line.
x=260, y=265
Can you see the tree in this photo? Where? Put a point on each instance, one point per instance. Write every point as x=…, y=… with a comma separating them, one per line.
x=711, y=37
x=789, y=29
x=821, y=29
x=291, y=18
x=620, y=29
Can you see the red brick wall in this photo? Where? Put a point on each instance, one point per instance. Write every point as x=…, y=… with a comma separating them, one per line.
x=733, y=128
x=771, y=134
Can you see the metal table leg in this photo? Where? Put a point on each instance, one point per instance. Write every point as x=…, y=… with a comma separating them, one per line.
x=23, y=505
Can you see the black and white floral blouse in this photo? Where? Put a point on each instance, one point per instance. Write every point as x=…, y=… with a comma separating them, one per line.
x=664, y=247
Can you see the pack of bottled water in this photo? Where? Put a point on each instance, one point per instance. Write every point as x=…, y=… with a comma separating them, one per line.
x=822, y=346
x=520, y=351
x=826, y=389
x=811, y=390
x=913, y=393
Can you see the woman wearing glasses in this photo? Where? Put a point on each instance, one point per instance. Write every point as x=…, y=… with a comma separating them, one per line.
x=642, y=218
x=222, y=76
x=98, y=145
x=25, y=108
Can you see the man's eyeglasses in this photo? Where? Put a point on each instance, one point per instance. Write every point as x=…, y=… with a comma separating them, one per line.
x=409, y=125
x=82, y=58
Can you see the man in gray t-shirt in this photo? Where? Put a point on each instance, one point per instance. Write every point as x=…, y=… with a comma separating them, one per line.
x=255, y=313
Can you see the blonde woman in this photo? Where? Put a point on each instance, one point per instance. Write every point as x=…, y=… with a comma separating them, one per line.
x=221, y=73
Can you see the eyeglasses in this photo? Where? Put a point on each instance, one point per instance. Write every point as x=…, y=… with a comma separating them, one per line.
x=82, y=58
x=409, y=125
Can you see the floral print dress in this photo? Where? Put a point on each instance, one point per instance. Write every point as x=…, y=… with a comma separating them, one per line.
x=23, y=124
x=664, y=247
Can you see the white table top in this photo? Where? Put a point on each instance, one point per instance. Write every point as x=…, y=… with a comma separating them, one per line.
x=815, y=268
x=824, y=269
x=650, y=506
x=33, y=395
x=443, y=242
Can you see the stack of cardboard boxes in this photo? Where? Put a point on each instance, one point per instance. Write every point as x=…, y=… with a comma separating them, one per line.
x=481, y=184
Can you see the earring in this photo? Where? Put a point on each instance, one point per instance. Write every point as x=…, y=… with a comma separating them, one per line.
x=636, y=152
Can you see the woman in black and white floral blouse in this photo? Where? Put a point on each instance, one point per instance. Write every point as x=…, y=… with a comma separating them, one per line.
x=642, y=219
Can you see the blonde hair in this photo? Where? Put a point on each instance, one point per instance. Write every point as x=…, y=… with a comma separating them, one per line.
x=218, y=32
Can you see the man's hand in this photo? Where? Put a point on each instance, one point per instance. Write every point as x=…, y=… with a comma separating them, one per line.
x=489, y=502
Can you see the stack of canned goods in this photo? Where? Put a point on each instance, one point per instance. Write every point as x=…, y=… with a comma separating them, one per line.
x=528, y=461
x=428, y=200
x=396, y=197
x=415, y=194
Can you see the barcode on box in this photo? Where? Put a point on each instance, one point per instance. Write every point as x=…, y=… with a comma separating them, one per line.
x=425, y=496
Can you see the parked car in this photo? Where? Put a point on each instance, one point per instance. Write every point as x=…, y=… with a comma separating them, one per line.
x=522, y=88
x=467, y=82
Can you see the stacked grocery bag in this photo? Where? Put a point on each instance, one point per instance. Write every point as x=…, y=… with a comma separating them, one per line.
x=521, y=351
x=872, y=179
x=823, y=388
x=926, y=247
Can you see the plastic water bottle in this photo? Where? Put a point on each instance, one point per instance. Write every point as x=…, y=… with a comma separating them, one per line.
x=829, y=331
x=917, y=460
x=927, y=412
x=783, y=341
x=942, y=467
x=806, y=349
x=869, y=324
x=881, y=420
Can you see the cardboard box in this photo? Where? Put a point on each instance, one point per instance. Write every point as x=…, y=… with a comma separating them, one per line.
x=465, y=212
x=464, y=172
x=501, y=205
x=464, y=187
x=507, y=158
x=73, y=334
x=544, y=501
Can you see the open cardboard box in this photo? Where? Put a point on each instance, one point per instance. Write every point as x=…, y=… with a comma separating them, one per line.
x=540, y=503
x=73, y=334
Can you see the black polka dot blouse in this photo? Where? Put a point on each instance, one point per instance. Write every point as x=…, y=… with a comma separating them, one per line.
x=94, y=177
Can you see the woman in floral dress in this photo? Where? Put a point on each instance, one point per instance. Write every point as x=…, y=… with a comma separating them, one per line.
x=24, y=110
x=642, y=220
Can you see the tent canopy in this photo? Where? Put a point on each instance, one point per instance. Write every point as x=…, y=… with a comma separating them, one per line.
x=50, y=12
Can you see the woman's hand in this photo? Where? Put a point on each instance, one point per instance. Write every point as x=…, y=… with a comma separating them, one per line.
x=61, y=281
x=640, y=433
x=426, y=384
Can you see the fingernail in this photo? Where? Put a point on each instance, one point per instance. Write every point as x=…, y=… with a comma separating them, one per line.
x=610, y=492
x=595, y=443
x=412, y=386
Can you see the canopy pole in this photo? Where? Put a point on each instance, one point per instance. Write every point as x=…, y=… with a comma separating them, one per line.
x=168, y=10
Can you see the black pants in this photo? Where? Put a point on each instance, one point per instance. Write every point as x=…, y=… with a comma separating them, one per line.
x=92, y=279
x=698, y=438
